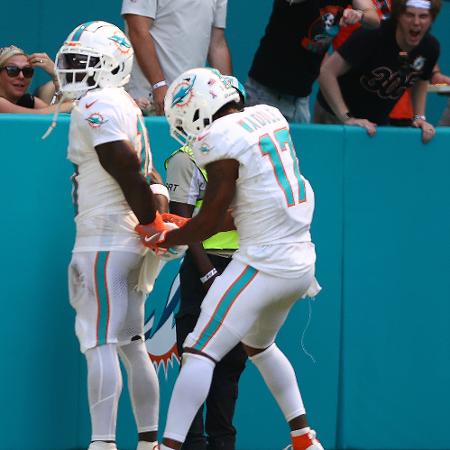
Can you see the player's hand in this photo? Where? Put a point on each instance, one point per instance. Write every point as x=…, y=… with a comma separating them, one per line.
x=179, y=221
x=152, y=234
x=428, y=131
x=363, y=123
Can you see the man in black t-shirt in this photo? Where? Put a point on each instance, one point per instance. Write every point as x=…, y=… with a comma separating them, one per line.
x=291, y=51
x=361, y=82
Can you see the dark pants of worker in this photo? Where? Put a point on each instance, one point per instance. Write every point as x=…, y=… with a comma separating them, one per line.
x=216, y=432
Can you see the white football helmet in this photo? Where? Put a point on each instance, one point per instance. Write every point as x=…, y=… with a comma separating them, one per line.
x=238, y=86
x=95, y=55
x=193, y=98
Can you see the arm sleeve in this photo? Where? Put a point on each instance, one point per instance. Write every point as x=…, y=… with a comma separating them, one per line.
x=140, y=8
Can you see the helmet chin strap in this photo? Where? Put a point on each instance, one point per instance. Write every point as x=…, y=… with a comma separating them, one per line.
x=54, y=119
x=52, y=126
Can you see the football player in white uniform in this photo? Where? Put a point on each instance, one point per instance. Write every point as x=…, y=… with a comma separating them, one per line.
x=109, y=147
x=253, y=171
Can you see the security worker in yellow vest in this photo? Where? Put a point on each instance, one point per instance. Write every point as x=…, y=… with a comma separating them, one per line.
x=186, y=183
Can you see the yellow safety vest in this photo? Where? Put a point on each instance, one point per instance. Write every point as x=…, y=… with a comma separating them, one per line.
x=227, y=240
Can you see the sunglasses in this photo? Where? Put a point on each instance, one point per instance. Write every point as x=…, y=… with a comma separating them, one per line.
x=13, y=71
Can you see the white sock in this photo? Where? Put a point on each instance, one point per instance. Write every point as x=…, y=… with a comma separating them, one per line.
x=143, y=385
x=189, y=393
x=104, y=388
x=279, y=376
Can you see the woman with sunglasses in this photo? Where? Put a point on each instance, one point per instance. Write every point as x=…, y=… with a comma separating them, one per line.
x=16, y=73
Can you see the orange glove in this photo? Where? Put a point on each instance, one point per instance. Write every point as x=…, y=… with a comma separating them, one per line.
x=153, y=234
x=179, y=221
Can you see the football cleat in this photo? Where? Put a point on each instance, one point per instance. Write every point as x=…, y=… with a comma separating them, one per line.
x=145, y=445
x=306, y=441
x=101, y=445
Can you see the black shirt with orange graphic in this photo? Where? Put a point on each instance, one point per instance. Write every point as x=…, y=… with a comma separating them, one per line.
x=380, y=72
x=295, y=41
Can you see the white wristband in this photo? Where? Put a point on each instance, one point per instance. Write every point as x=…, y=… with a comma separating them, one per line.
x=213, y=272
x=419, y=117
x=159, y=84
x=160, y=189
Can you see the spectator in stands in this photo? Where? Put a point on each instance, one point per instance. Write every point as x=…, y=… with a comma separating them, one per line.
x=16, y=73
x=361, y=82
x=291, y=51
x=169, y=37
x=402, y=113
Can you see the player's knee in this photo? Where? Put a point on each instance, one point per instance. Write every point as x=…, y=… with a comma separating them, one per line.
x=258, y=353
x=253, y=351
x=196, y=354
x=133, y=350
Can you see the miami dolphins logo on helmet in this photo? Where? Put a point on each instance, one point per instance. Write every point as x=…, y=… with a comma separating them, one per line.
x=183, y=92
x=122, y=44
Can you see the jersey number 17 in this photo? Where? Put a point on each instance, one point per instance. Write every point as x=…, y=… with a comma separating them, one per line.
x=281, y=153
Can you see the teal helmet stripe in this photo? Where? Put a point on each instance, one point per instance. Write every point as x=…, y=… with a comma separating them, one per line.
x=224, y=306
x=79, y=31
x=102, y=294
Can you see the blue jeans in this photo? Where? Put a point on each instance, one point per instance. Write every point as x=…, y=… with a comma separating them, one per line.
x=294, y=109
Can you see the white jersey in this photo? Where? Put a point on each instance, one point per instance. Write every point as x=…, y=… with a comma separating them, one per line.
x=103, y=217
x=273, y=205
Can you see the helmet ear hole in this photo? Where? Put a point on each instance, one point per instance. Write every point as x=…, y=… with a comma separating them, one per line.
x=196, y=115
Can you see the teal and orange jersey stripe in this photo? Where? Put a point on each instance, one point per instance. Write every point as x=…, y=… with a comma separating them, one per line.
x=74, y=180
x=102, y=295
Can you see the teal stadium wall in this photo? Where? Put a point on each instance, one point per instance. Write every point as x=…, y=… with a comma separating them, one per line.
x=42, y=25
x=379, y=330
